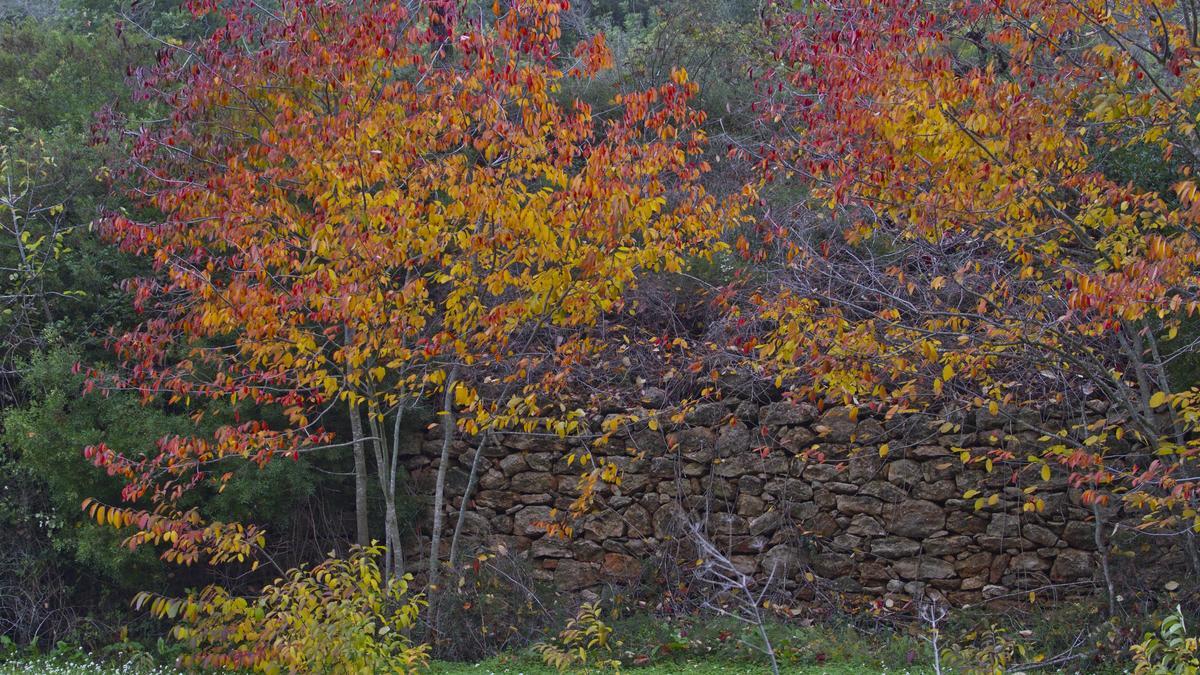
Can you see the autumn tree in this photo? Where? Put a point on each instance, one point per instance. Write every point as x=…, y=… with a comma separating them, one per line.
x=999, y=216
x=355, y=207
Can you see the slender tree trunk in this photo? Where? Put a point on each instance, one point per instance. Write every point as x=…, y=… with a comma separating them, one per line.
x=1142, y=415
x=394, y=558
x=1102, y=548
x=439, y=490
x=462, y=510
x=1164, y=385
x=395, y=464
x=392, y=523
x=1193, y=552
x=362, y=534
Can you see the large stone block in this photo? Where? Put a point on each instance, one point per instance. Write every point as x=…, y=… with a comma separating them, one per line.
x=1080, y=535
x=525, y=521
x=531, y=482
x=737, y=465
x=895, y=547
x=696, y=445
x=796, y=439
x=637, y=520
x=727, y=525
x=513, y=464
x=1004, y=525
x=765, y=523
x=821, y=525
x=883, y=491
x=668, y=521
x=620, y=567
x=1071, y=564
x=936, y=491
x=749, y=505
x=852, y=505
x=836, y=425
x=604, y=526
x=866, y=526
x=571, y=575
x=1028, y=562
x=832, y=565
x=950, y=545
x=924, y=568
x=733, y=439
x=904, y=472
x=915, y=518
x=707, y=414
x=821, y=472
x=789, y=489
x=786, y=413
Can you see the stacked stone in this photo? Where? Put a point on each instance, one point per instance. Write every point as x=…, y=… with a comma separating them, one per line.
x=893, y=525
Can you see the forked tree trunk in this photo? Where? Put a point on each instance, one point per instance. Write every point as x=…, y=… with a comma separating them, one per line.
x=394, y=557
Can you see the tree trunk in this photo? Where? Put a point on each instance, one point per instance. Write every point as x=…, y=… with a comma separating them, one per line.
x=395, y=464
x=439, y=490
x=1103, y=549
x=394, y=558
x=462, y=510
x=1193, y=552
x=362, y=535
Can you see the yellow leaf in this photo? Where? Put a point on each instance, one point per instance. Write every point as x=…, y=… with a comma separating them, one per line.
x=1045, y=472
x=883, y=450
x=1158, y=399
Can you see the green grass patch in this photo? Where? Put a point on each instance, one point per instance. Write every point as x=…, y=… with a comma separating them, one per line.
x=531, y=665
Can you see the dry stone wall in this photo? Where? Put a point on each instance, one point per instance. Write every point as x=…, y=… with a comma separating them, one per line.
x=844, y=517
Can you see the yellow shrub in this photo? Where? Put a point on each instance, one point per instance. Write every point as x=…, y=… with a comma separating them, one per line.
x=338, y=617
x=585, y=644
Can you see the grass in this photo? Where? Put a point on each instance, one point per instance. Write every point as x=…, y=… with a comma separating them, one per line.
x=530, y=665
x=649, y=645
